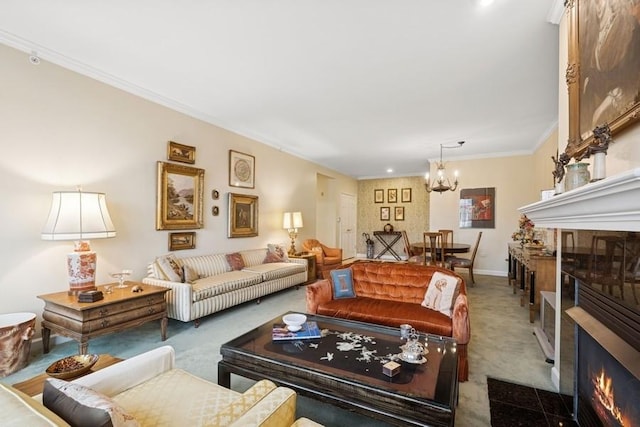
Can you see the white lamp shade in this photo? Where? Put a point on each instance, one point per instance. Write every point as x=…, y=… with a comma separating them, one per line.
x=292, y=220
x=78, y=215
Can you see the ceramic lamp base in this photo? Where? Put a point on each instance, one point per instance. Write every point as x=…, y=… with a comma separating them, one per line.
x=81, y=268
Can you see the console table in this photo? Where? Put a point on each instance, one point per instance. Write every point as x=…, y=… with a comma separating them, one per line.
x=531, y=271
x=119, y=310
x=387, y=245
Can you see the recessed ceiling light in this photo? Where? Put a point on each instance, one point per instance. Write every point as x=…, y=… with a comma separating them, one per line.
x=389, y=170
x=485, y=3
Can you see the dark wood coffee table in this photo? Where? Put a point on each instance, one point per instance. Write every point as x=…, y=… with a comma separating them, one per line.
x=344, y=368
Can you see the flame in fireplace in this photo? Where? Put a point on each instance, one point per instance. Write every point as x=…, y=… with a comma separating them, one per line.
x=603, y=393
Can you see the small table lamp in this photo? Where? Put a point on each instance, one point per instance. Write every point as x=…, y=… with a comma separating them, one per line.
x=79, y=216
x=291, y=222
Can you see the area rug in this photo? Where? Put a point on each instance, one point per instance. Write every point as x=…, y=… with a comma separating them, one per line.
x=519, y=405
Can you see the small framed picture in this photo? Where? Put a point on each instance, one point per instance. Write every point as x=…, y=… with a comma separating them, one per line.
x=179, y=241
x=243, y=215
x=215, y=211
x=378, y=196
x=385, y=213
x=392, y=195
x=405, y=195
x=242, y=169
x=399, y=213
x=181, y=153
x=215, y=195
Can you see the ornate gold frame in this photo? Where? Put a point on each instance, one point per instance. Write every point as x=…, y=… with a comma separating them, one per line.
x=580, y=139
x=242, y=170
x=173, y=211
x=243, y=215
x=182, y=240
x=181, y=153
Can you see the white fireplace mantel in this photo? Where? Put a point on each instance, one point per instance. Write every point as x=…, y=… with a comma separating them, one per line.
x=609, y=204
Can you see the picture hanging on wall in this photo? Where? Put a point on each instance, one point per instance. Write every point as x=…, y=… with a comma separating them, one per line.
x=243, y=215
x=399, y=213
x=405, y=195
x=180, y=196
x=477, y=208
x=242, y=169
x=180, y=241
x=181, y=153
x=392, y=195
x=385, y=213
x=378, y=196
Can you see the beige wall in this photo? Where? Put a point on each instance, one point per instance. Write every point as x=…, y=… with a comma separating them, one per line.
x=60, y=129
x=416, y=212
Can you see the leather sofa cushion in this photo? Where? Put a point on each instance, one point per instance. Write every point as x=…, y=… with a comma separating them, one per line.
x=389, y=313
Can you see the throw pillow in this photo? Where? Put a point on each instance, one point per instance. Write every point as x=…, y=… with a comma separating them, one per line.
x=279, y=250
x=235, y=261
x=81, y=406
x=189, y=275
x=440, y=293
x=342, y=281
x=272, y=257
x=170, y=268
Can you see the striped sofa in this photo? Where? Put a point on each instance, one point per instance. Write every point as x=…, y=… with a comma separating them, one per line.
x=218, y=286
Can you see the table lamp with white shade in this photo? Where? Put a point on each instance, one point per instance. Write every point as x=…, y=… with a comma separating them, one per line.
x=291, y=222
x=79, y=216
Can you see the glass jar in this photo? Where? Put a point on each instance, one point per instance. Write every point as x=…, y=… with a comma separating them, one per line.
x=577, y=175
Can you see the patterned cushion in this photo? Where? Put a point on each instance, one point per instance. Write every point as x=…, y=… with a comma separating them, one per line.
x=235, y=261
x=170, y=267
x=342, y=281
x=280, y=250
x=79, y=405
x=189, y=275
x=242, y=403
x=441, y=293
x=272, y=257
x=175, y=398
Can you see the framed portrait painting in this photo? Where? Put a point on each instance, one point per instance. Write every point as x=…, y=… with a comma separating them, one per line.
x=477, y=208
x=179, y=197
x=242, y=169
x=604, y=65
x=243, y=215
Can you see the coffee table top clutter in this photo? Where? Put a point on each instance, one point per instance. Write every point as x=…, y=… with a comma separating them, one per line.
x=345, y=367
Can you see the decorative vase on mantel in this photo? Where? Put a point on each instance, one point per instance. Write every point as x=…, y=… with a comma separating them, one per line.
x=577, y=175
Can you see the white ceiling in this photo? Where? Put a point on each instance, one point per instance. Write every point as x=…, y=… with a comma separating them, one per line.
x=359, y=86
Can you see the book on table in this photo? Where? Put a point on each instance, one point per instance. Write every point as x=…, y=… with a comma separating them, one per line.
x=309, y=330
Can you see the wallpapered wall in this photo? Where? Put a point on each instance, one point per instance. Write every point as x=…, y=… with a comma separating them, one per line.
x=416, y=212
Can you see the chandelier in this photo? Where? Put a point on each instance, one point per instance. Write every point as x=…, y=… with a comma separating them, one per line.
x=441, y=183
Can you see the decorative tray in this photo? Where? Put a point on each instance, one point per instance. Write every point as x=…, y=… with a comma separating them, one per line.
x=72, y=366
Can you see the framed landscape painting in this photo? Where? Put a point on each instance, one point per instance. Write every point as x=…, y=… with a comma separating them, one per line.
x=180, y=241
x=179, y=197
x=603, y=69
x=181, y=153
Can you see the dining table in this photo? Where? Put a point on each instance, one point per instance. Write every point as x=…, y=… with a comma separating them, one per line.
x=449, y=248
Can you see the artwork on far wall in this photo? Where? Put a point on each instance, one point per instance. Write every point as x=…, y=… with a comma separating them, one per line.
x=385, y=213
x=183, y=240
x=399, y=213
x=242, y=169
x=181, y=153
x=243, y=215
x=405, y=195
x=392, y=195
x=602, y=70
x=477, y=208
x=179, y=197
x=378, y=196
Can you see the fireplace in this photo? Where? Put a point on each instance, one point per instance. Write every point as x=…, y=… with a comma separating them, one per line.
x=602, y=269
x=607, y=393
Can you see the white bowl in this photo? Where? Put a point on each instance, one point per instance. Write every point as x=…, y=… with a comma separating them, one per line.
x=294, y=321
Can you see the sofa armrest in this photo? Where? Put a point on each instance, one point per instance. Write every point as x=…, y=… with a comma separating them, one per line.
x=318, y=293
x=305, y=422
x=242, y=403
x=276, y=409
x=332, y=252
x=460, y=317
x=121, y=376
x=179, y=298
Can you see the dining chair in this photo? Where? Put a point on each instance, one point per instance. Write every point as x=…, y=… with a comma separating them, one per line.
x=432, y=240
x=447, y=238
x=459, y=262
x=412, y=254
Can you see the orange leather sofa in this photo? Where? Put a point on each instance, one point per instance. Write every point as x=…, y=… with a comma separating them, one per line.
x=390, y=294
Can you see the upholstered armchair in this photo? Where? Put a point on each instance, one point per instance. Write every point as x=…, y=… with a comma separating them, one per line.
x=326, y=258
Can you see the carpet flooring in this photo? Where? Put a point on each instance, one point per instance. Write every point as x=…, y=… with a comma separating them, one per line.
x=519, y=405
x=502, y=346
